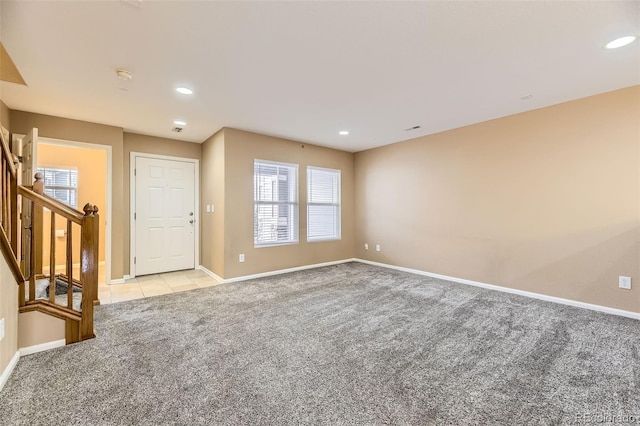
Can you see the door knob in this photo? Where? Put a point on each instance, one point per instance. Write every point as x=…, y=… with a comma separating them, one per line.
x=191, y=221
x=190, y=213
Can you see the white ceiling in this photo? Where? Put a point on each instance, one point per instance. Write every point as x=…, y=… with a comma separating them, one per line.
x=305, y=70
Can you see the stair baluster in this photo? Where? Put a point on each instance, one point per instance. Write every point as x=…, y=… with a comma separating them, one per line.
x=52, y=260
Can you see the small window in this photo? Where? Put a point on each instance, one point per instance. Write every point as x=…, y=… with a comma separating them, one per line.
x=61, y=184
x=323, y=204
x=275, y=195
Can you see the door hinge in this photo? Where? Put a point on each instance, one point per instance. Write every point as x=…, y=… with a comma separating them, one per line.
x=134, y=215
x=135, y=172
x=134, y=260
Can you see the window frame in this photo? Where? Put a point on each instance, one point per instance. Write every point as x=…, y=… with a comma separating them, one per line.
x=338, y=205
x=294, y=205
x=53, y=188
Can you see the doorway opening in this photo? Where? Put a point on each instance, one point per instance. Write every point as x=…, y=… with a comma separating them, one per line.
x=79, y=173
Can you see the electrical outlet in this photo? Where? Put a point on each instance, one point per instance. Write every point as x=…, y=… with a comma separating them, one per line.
x=624, y=282
x=366, y=246
x=241, y=258
x=1, y=328
x=213, y=208
x=208, y=208
x=378, y=247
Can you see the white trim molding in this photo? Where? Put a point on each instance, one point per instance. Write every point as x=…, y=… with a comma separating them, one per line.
x=210, y=273
x=277, y=272
x=7, y=371
x=530, y=294
x=42, y=347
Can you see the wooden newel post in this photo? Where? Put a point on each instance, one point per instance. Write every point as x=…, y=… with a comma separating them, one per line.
x=89, y=267
x=37, y=225
x=38, y=183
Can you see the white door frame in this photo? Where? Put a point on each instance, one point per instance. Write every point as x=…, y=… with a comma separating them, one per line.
x=132, y=203
x=108, y=149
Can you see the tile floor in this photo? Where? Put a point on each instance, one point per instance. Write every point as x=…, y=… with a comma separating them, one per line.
x=155, y=285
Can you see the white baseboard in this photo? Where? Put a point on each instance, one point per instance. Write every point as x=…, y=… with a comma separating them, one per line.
x=569, y=302
x=41, y=347
x=7, y=371
x=118, y=280
x=277, y=272
x=210, y=273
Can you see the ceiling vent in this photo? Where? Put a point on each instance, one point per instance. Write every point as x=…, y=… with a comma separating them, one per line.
x=177, y=129
x=412, y=128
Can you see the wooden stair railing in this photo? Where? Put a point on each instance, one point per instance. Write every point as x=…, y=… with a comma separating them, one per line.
x=9, y=209
x=78, y=316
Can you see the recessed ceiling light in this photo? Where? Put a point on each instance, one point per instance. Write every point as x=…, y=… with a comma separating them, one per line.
x=179, y=122
x=124, y=74
x=343, y=132
x=184, y=90
x=134, y=3
x=621, y=41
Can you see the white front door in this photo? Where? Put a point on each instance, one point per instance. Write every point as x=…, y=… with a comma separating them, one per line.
x=164, y=215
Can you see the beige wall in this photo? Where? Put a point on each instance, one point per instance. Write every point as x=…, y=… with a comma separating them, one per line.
x=37, y=328
x=8, y=311
x=92, y=183
x=212, y=192
x=5, y=115
x=546, y=201
x=81, y=131
x=149, y=145
x=8, y=290
x=240, y=150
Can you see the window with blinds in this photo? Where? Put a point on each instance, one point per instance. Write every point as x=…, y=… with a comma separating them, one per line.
x=61, y=184
x=323, y=204
x=275, y=195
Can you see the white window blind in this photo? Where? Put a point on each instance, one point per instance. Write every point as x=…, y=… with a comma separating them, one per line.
x=275, y=195
x=61, y=184
x=323, y=204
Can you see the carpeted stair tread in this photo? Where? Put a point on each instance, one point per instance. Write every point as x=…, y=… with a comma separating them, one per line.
x=42, y=292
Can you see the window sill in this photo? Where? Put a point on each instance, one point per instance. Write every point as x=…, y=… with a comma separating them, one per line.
x=288, y=243
x=324, y=240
